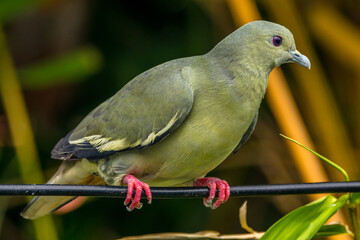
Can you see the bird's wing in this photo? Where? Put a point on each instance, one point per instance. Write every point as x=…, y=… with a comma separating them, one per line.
x=247, y=134
x=143, y=112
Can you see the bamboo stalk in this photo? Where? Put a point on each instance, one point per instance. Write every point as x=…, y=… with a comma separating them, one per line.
x=324, y=19
x=21, y=133
x=283, y=106
x=285, y=110
x=322, y=113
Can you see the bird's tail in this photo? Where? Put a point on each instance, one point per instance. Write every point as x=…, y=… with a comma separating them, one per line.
x=70, y=172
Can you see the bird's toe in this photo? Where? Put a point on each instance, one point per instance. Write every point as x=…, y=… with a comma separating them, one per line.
x=135, y=184
x=214, y=184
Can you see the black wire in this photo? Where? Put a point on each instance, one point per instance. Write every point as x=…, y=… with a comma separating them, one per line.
x=176, y=192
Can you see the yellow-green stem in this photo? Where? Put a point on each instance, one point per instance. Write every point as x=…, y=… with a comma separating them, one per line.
x=340, y=169
x=21, y=133
x=354, y=219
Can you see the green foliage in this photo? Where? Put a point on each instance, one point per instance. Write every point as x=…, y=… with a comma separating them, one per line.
x=307, y=221
x=332, y=229
x=304, y=222
x=68, y=68
x=9, y=9
x=334, y=165
x=355, y=198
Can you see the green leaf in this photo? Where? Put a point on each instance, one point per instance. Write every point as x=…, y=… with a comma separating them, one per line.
x=332, y=229
x=328, y=161
x=304, y=222
x=355, y=198
x=68, y=68
x=12, y=8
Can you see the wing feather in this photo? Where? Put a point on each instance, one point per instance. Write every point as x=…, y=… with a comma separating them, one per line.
x=142, y=113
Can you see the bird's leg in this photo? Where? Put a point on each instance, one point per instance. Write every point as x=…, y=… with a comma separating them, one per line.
x=214, y=183
x=134, y=183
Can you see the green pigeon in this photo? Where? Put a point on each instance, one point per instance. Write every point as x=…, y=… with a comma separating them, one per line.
x=174, y=123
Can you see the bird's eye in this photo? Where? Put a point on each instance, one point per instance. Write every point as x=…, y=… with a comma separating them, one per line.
x=277, y=40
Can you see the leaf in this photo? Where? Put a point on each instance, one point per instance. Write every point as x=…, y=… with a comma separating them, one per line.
x=203, y=235
x=355, y=198
x=243, y=221
x=326, y=160
x=332, y=229
x=304, y=222
x=71, y=67
x=9, y=9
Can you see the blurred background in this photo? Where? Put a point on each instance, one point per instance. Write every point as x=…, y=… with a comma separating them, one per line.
x=61, y=58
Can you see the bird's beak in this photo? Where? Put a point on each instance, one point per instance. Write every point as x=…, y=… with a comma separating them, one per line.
x=297, y=57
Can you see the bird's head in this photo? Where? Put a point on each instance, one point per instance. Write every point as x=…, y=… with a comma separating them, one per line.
x=263, y=44
x=276, y=41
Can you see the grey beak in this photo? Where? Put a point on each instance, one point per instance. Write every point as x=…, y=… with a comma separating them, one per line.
x=297, y=57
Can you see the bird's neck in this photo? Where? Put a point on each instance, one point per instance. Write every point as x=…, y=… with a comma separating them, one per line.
x=248, y=56
x=247, y=71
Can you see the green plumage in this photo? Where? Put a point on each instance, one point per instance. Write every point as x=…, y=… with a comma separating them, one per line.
x=177, y=121
x=140, y=108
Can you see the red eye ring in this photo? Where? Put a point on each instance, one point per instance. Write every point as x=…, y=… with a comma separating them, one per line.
x=277, y=40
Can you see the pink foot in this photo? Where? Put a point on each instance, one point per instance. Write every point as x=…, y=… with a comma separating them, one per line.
x=134, y=183
x=214, y=183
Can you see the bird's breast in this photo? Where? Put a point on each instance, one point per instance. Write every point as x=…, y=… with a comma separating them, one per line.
x=212, y=130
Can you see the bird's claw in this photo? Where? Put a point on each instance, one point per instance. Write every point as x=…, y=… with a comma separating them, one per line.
x=214, y=183
x=134, y=183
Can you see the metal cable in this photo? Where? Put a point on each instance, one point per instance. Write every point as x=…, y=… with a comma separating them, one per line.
x=176, y=192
